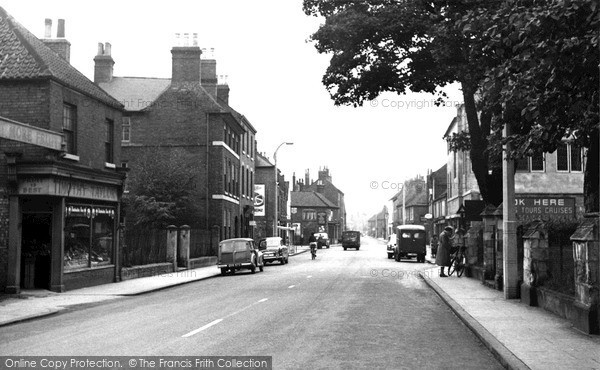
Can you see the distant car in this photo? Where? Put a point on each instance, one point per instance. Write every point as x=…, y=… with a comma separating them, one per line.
x=322, y=240
x=239, y=253
x=274, y=250
x=351, y=239
x=391, y=246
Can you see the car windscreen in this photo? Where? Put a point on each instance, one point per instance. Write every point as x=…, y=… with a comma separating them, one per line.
x=230, y=247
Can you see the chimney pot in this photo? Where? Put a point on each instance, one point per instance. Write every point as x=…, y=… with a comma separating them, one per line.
x=60, y=31
x=194, y=39
x=186, y=39
x=48, y=28
x=107, y=48
x=100, y=49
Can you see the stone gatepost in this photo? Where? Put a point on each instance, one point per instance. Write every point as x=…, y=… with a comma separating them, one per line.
x=587, y=280
x=474, y=250
x=184, y=247
x=489, y=242
x=172, y=245
x=499, y=250
x=536, y=257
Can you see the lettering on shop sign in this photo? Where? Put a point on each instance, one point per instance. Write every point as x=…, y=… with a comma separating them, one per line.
x=23, y=133
x=67, y=188
x=529, y=209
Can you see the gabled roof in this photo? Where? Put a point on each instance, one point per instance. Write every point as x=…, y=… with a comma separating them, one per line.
x=23, y=56
x=262, y=161
x=310, y=199
x=136, y=93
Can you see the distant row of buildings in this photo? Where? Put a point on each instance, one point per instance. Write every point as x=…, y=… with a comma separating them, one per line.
x=548, y=185
x=69, y=144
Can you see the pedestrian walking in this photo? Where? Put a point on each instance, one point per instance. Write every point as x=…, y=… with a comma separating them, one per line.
x=442, y=257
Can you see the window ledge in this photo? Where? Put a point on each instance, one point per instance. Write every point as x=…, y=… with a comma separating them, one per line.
x=72, y=157
x=110, y=165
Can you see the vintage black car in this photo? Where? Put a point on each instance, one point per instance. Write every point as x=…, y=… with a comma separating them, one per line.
x=351, y=239
x=239, y=253
x=410, y=242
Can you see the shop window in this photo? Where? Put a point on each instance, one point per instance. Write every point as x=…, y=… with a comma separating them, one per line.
x=576, y=155
x=89, y=240
x=562, y=157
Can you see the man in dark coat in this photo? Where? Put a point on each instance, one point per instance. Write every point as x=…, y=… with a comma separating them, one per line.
x=442, y=257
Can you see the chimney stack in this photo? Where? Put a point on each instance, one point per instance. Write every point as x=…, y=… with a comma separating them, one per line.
x=48, y=28
x=223, y=89
x=307, y=177
x=103, y=64
x=60, y=31
x=60, y=45
x=186, y=59
x=208, y=72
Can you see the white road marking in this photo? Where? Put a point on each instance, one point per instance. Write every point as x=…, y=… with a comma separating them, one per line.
x=219, y=320
x=291, y=286
x=202, y=328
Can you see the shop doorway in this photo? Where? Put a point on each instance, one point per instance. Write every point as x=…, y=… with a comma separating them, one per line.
x=36, y=247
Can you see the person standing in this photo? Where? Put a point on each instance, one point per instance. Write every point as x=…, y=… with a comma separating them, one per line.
x=442, y=257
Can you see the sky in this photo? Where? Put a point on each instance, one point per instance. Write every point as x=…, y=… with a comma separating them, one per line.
x=274, y=74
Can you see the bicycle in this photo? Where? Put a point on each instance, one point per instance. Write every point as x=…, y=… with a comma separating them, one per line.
x=458, y=261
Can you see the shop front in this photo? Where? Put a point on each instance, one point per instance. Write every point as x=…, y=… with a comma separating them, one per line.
x=68, y=237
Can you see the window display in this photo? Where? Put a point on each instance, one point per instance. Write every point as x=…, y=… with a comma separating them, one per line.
x=88, y=236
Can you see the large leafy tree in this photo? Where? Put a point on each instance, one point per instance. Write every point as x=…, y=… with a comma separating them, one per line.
x=161, y=189
x=417, y=45
x=542, y=77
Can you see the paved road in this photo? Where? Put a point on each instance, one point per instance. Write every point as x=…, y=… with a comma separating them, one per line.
x=347, y=309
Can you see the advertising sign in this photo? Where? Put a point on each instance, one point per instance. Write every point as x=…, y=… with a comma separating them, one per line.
x=322, y=218
x=259, y=200
x=539, y=208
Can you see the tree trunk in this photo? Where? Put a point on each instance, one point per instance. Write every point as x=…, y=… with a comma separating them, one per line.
x=591, y=198
x=490, y=185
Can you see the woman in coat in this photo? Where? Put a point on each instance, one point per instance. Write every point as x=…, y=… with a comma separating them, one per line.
x=442, y=257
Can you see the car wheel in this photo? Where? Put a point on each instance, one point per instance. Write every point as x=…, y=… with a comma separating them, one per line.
x=232, y=270
x=223, y=271
x=345, y=248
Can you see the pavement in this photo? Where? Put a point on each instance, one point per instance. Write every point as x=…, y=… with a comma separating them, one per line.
x=32, y=304
x=519, y=336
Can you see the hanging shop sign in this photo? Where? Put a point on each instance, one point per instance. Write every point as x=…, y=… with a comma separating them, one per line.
x=23, y=133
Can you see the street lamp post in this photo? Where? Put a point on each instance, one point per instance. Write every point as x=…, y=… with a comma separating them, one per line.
x=276, y=218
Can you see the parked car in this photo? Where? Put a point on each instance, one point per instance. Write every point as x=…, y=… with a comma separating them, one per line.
x=274, y=250
x=410, y=241
x=322, y=240
x=239, y=253
x=351, y=239
x=391, y=245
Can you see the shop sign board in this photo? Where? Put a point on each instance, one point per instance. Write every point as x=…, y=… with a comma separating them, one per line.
x=542, y=208
x=68, y=188
x=23, y=133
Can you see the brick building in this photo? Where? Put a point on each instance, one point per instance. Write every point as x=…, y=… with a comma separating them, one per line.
x=311, y=212
x=324, y=185
x=265, y=187
x=61, y=207
x=190, y=112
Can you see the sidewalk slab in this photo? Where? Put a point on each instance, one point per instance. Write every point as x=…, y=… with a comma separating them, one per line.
x=520, y=336
x=31, y=304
